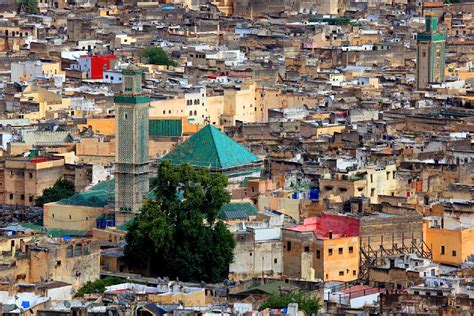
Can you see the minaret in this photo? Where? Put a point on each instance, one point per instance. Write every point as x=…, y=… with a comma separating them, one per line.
x=131, y=154
x=430, y=60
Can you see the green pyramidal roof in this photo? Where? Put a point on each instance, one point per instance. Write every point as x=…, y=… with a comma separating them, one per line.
x=210, y=148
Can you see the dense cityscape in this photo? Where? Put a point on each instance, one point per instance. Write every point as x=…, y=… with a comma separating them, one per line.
x=236, y=157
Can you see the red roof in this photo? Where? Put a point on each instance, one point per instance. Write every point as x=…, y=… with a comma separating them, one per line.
x=359, y=291
x=109, y=56
x=433, y=4
x=341, y=226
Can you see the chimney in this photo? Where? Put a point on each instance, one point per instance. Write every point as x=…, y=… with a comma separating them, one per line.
x=330, y=234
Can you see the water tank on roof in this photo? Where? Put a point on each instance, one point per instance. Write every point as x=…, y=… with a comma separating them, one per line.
x=296, y=195
x=25, y=304
x=314, y=194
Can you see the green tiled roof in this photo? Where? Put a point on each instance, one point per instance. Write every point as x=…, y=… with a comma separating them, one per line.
x=166, y=127
x=235, y=211
x=98, y=196
x=54, y=232
x=210, y=148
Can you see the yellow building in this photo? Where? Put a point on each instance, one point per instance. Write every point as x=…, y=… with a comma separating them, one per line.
x=38, y=102
x=381, y=181
x=189, y=297
x=325, y=247
x=101, y=126
x=449, y=245
x=337, y=259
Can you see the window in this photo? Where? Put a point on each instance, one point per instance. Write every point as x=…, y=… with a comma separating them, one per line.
x=330, y=252
x=442, y=250
x=11, y=196
x=354, y=272
x=125, y=116
x=424, y=54
x=22, y=197
x=318, y=254
x=58, y=263
x=69, y=251
x=30, y=199
x=341, y=251
x=371, y=178
x=306, y=249
x=454, y=253
x=341, y=273
x=250, y=254
x=31, y=175
x=275, y=261
x=288, y=245
x=351, y=249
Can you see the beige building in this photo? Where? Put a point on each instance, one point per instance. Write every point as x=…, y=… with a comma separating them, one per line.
x=258, y=251
x=30, y=70
x=96, y=150
x=71, y=217
x=247, y=102
x=370, y=182
x=26, y=178
x=75, y=261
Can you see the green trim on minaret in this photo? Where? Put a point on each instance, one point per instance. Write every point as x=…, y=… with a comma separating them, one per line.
x=131, y=99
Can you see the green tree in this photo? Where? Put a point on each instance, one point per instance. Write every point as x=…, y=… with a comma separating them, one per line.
x=98, y=286
x=177, y=234
x=306, y=303
x=157, y=56
x=30, y=6
x=61, y=189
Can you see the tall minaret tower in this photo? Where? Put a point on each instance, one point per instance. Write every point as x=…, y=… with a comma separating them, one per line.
x=430, y=59
x=131, y=152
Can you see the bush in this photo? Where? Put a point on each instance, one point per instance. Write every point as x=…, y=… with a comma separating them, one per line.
x=306, y=303
x=98, y=286
x=157, y=56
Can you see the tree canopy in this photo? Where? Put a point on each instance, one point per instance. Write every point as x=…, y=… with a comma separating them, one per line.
x=98, y=286
x=61, y=189
x=30, y=6
x=157, y=56
x=177, y=234
x=306, y=303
